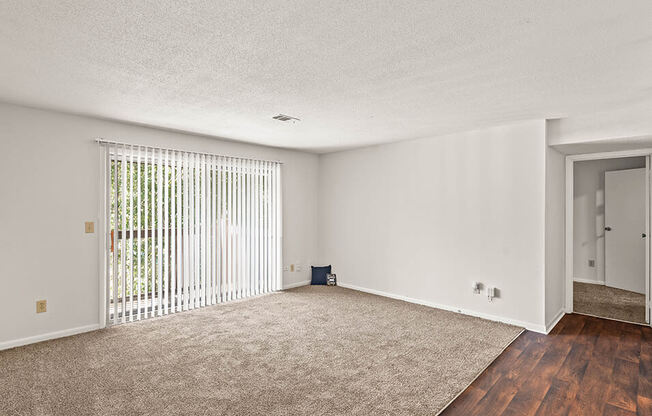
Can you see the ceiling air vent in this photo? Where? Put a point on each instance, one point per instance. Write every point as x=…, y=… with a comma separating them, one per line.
x=283, y=117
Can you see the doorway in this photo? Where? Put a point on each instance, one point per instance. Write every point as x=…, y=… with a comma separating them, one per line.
x=610, y=210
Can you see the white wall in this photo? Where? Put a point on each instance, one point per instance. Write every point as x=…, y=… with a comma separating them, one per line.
x=555, y=289
x=588, y=212
x=422, y=219
x=631, y=121
x=49, y=185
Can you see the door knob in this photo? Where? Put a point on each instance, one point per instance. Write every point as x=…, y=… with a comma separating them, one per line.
x=607, y=228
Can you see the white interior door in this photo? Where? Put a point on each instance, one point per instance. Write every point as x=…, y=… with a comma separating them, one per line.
x=625, y=227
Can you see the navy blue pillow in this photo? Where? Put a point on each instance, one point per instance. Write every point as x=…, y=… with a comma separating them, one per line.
x=319, y=275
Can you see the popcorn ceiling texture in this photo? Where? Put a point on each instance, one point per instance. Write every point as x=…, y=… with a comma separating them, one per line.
x=314, y=350
x=354, y=72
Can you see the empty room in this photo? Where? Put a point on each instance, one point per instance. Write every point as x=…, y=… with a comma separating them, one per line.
x=325, y=208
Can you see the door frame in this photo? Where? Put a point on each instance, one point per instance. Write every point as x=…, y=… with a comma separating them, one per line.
x=568, y=225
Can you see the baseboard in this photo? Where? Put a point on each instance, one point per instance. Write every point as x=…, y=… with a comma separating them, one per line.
x=593, y=282
x=296, y=284
x=527, y=325
x=555, y=320
x=45, y=337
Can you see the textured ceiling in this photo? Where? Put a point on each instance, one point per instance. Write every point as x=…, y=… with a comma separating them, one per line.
x=354, y=72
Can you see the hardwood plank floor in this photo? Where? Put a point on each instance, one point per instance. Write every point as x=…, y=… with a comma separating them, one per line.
x=585, y=366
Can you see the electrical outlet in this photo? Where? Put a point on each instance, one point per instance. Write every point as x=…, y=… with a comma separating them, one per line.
x=491, y=293
x=591, y=263
x=286, y=269
x=298, y=267
x=89, y=227
x=41, y=306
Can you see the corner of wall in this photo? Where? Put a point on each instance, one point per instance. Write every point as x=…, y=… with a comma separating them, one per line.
x=554, y=219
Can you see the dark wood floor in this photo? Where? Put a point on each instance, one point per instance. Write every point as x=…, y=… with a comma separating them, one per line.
x=585, y=366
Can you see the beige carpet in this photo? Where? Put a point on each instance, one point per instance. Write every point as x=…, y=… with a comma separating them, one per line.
x=306, y=351
x=608, y=302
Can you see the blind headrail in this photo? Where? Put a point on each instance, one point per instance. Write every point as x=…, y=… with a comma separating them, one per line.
x=135, y=145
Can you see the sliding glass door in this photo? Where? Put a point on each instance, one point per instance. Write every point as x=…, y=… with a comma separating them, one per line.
x=185, y=230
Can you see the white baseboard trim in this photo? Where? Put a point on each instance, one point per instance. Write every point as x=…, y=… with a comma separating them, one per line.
x=527, y=325
x=296, y=284
x=45, y=337
x=591, y=281
x=555, y=320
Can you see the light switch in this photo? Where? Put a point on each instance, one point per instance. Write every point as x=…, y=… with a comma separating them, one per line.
x=291, y=267
x=41, y=306
x=89, y=226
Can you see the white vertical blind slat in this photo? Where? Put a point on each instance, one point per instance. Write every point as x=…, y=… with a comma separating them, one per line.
x=197, y=219
x=258, y=224
x=213, y=230
x=207, y=229
x=166, y=234
x=204, y=244
x=274, y=219
x=263, y=226
x=179, y=235
x=186, y=234
x=123, y=229
x=229, y=231
x=248, y=230
x=159, y=238
x=270, y=258
x=223, y=241
x=272, y=228
x=155, y=239
x=239, y=228
x=191, y=231
x=261, y=215
x=107, y=228
x=154, y=235
x=270, y=272
x=265, y=229
x=139, y=244
x=131, y=234
x=147, y=236
x=279, y=231
x=114, y=237
x=200, y=225
x=173, y=234
x=234, y=229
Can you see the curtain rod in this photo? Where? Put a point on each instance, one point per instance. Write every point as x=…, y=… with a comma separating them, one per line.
x=104, y=141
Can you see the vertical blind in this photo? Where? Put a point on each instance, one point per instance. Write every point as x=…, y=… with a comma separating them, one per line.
x=185, y=230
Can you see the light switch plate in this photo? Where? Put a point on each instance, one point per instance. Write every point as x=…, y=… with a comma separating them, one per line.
x=41, y=306
x=291, y=267
x=89, y=227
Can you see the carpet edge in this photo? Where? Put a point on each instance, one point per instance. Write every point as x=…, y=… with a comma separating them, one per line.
x=480, y=372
